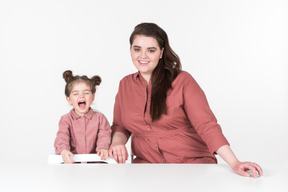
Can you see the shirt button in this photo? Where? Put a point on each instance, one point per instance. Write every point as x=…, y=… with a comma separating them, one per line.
x=155, y=145
x=149, y=129
x=163, y=160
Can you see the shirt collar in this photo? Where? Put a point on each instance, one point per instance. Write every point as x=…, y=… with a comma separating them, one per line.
x=87, y=115
x=136, y=75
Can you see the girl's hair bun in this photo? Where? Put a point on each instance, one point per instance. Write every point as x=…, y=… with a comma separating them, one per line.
x=96, y=80
x=70, y=80
x=67, y=75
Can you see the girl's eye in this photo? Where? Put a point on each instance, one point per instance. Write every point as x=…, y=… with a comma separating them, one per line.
x=75, y=94
x=87, y=93
x=151, y=51
x=137, y=50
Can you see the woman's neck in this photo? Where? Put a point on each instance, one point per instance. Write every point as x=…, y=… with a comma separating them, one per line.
x=146, y=77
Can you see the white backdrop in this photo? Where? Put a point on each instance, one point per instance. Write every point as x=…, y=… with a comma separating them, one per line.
x=236, y=50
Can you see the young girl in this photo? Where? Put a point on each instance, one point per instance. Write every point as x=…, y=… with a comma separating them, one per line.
x=82, y=130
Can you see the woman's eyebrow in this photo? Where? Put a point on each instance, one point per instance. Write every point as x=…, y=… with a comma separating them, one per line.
x=136, y=46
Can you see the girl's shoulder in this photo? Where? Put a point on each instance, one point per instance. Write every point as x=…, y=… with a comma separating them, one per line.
x=97, y=113
x=67, y=115
x=66, y=118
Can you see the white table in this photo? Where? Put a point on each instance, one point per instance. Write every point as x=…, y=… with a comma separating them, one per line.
x=138, y=177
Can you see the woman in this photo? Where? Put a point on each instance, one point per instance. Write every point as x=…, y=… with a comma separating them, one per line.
x=165, y=110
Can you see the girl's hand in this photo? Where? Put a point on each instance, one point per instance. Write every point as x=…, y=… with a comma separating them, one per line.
x=119, y=153
x=103, y=153
x=66, y=156
x=242, y=167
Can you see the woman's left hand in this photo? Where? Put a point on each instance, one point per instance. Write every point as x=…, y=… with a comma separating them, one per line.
x=242, y=167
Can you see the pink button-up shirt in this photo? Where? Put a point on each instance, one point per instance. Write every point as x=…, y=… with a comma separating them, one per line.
x=83, y=134
x=189, y=133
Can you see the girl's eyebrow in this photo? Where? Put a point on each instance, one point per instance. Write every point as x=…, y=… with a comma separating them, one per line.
x=83, y=90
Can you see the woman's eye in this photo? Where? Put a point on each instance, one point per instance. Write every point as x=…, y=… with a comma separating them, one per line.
x=151, y=51
x=137, y=50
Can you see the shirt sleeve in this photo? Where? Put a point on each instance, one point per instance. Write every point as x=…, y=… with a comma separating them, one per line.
x=201, y=116
x=117, y=125
x=104, y=134
x=62, y=140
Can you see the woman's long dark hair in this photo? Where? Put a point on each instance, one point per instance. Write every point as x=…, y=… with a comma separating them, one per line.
x=166, y=71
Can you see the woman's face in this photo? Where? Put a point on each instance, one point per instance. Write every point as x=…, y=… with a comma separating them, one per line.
x=145, y=54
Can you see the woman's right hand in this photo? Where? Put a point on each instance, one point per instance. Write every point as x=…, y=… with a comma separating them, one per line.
x=66, y=156
x=118, y=152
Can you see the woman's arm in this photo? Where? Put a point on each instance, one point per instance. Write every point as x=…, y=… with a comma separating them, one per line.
x=117, y=149
x=228, y=156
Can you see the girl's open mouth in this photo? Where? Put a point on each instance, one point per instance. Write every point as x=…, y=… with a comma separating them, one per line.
x=82, y=104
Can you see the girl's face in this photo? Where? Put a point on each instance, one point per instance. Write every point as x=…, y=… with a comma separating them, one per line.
x=81, y=98
x=145, y=54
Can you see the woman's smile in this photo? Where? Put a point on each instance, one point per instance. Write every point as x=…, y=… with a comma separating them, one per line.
x=143, y=62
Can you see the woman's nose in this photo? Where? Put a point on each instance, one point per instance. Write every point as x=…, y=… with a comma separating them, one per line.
x=143, y=54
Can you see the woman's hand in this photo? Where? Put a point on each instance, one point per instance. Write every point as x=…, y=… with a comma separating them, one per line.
x=239, y=167
x=119, y=153
x=242, y=167
x=66, y=156
x=103, y=153
x=117, y=149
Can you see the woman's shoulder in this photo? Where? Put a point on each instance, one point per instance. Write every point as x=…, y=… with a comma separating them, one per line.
x=184, y=76
x=184, y=79
x=130, y=77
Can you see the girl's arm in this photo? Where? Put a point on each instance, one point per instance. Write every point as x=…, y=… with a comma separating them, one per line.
x=228, y=156
x=62, y=140
x=117, y=149
x=104, y=134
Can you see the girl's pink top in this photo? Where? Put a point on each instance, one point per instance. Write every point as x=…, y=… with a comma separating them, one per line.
x=83, y=134
x=189, y=133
